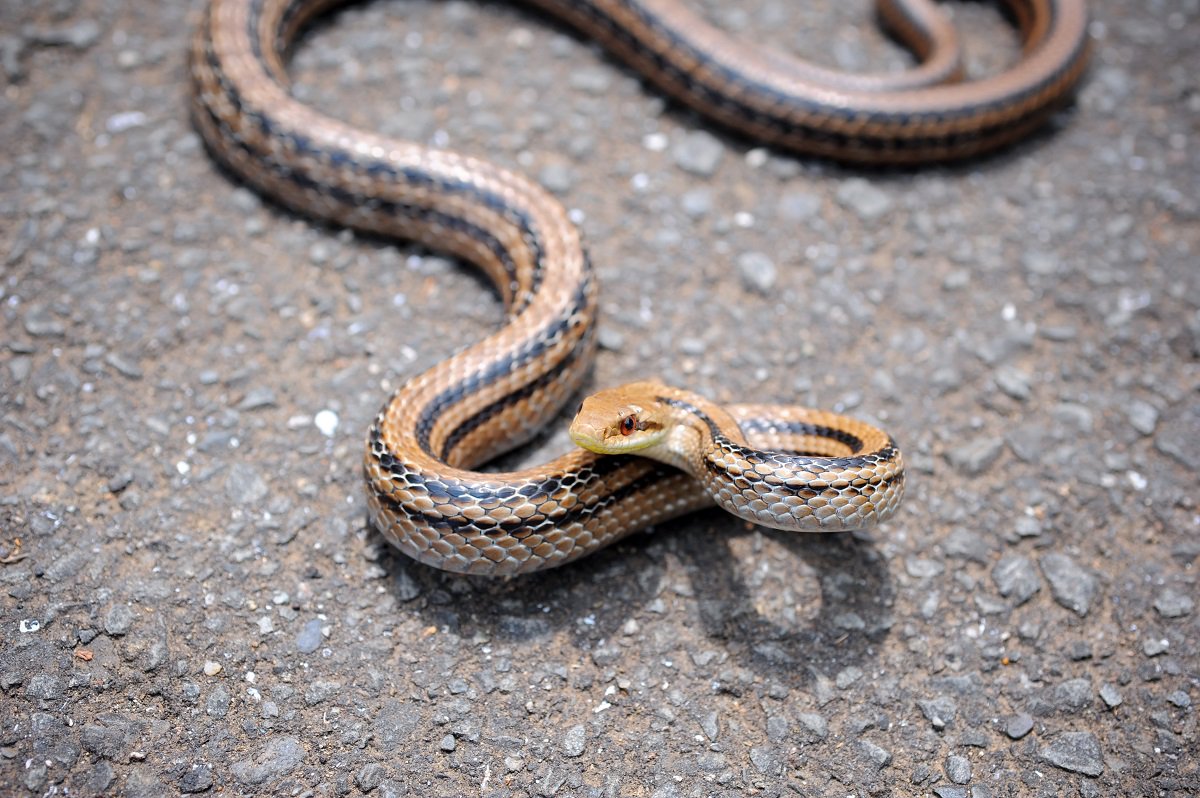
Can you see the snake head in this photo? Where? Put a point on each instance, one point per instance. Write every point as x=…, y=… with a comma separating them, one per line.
x=622, y=420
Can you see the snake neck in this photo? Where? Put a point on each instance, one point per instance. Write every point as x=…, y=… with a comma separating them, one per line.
x=698, y=428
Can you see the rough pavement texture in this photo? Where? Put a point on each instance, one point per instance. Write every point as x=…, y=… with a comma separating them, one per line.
x=192, y=602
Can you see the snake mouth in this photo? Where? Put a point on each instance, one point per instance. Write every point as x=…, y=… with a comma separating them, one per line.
x=588, y=436
x=602, y=439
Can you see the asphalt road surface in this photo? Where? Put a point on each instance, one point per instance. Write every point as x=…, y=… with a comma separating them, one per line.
x=192, y=600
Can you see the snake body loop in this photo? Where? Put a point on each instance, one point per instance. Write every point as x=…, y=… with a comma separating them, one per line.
x=422, y=492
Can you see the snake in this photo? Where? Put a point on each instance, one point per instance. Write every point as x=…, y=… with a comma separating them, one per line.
x=659, y=451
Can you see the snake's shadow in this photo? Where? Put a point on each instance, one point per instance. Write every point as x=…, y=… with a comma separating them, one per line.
x=691, y=563
x=850, y=587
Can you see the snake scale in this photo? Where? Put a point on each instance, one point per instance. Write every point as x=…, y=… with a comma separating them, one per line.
x=782, y=466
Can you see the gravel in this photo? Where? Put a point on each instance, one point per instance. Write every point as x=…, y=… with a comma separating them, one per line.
x=574, y=742
x=974, y=457
x=1173, y=604
x=698, y=152
x=1073, y=587
x=1018, y=726
x=958, y=769
x=940, y=711
x=309, y=638
x=277, y=757
x=758, y=272
x=1016, y=577
x=869, y=202
x=1078, y=752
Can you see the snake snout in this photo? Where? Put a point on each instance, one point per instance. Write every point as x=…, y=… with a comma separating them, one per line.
x=585, y=434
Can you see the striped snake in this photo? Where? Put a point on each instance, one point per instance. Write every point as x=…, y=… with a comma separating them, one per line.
x=784, y=467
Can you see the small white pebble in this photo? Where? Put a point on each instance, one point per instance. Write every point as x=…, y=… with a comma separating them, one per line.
x=211, y=668
x=756, y=157
x=327, y=422
x=655, y=142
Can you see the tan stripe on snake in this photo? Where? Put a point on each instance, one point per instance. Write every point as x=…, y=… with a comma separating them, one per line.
x=783, y=467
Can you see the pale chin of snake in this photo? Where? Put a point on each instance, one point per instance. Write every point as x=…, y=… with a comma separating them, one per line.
x=783, y=466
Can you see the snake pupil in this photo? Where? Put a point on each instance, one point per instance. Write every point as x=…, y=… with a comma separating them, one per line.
x=627, y=425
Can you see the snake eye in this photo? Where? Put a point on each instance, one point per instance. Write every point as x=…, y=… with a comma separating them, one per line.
x=628, y=425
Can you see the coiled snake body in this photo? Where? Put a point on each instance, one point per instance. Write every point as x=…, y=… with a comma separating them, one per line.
x=422, y=491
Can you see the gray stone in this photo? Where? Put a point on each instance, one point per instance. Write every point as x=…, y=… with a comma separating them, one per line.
x=975, y=456
x=869, y=202
x=198, y=778
x=847, y=676
x=698, y=152
x=1078, y=752
x=958, y=769
x=258, y=398
x=814, y=723
x=279, y=757
x=1040, y=263
x=610, y=338
x=950, y=791
x=757, y=271
x=103, y=741
x=697, y=202
x=877, y=754
x=448, y=743
x=1111, y=695
x=1153, y=646
x=45, y=686
x=574, y=741
x=1016, y=577
x=98, y=779
x=1170, y=603
x=118, y=620
x=967, y=545
x=1073, y=587
x=1018, y=725
x=1013, y=382
x=124, y=365
x=245, y=485
x=309, y=639
x=1179, y=698
x=369, y=776
x=395, y=725
x=922, y=567
x=766, y=760
x=1177, y=438
x=79, y=36
x=558, y=177
x=1073, y=694
x=592, y=80
x=217, y=703
x=940, y=710
x=1143, y=416
x=39, y=322
x=1027, y=526
x=799, y=206
x=142, y=783
x=1074, y=416
x=320, y=690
